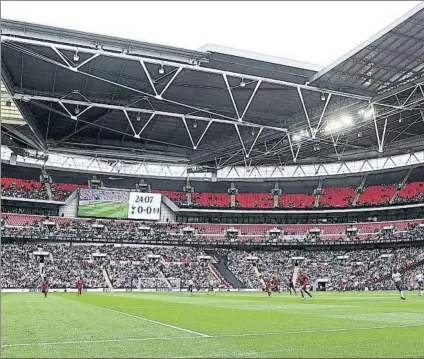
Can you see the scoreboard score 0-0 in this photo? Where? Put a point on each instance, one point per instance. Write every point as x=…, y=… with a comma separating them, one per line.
x=144, y=206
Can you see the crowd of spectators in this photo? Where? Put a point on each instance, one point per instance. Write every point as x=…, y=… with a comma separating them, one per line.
x=118, y=231
x=331, y=197
x=17, y=188
x=24, y=266
x=357, y=269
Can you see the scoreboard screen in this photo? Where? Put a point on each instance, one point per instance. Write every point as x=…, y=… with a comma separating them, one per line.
x=144, y=206
x=103, y=203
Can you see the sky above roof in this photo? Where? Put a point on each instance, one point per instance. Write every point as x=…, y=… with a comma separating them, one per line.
x=318, y=32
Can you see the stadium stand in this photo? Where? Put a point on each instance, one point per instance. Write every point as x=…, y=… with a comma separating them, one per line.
x=376, y=195
x=255, y=200
x=66, y=263
x=18, y=188
x=337, y=197
x=332, y=197
x=411, y=193
x=26, y=225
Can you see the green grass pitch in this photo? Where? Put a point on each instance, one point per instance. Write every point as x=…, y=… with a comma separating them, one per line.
x=104, y=209
x=165, y=325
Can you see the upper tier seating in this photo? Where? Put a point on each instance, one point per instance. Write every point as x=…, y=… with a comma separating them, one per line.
x=298, y=200
x=179, y=197
x=61, y=191
x=376, y=195
x=18, y=188
x=333, y=197
x=337, y=197
x=412, y=192
x=206, y=199
x=255, y=200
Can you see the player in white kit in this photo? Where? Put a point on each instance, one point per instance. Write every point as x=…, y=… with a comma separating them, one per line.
x=190, y=287
x=397, y=278
x=420, y=281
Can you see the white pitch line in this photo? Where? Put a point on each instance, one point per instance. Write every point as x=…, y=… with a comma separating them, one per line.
x=156, y=322
x=204, y=336
x=92, y=341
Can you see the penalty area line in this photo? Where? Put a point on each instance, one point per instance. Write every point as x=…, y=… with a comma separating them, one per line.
x=218, y=336
x=159, y=323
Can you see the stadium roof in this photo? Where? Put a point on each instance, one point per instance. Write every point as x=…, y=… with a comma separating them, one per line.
x=97, y=95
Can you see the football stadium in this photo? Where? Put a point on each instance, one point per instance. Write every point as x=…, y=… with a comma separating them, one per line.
x=161, y=202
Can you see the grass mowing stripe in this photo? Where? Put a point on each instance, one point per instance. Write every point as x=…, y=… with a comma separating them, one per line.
x=204, y=336
x=160, y=323
x=91, y=341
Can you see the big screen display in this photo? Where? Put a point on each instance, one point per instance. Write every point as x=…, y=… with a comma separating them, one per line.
x=100, y=203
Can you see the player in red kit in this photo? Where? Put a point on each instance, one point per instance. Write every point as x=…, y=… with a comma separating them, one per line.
x=303, y=279
x=276, y=285
x=80, y=286
x=45, y=287
x=268, y=286
x=341, y=285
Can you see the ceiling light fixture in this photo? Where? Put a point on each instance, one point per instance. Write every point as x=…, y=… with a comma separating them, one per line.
x=76, y=56
x=161, y=70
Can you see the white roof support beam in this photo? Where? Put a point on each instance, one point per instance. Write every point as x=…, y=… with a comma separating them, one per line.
x=75, y=69
x=143, y=65
x=327, y=100
x=171, y=81
x=44, y=43
x=292, y=148
x=299, y=91
x=129, y=121
x=188, y=131
x=380, y=149
x=145, y=125
x=377, y=134
x=251, y=99
x=80, y=163
x=241, y=141
x=254, y=142
x=91, y=58
x=203, y=133
x=138, y=110
x=231, y=96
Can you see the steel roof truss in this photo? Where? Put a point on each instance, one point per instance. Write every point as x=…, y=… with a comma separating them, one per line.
x=299, y=91
x=188, y=132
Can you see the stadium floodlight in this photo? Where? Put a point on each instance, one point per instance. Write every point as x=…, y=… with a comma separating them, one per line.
x=347, y=119
x=297, y=137
x=242, y=83
x=322, y=96
x=400, y=118
x=138, y=117
x=253, y=132
x=367, y=114
x=359, y=134
x=76, y=56
x=161, y=70
x=195, y=124
x=77, y=110
x=334, y=126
